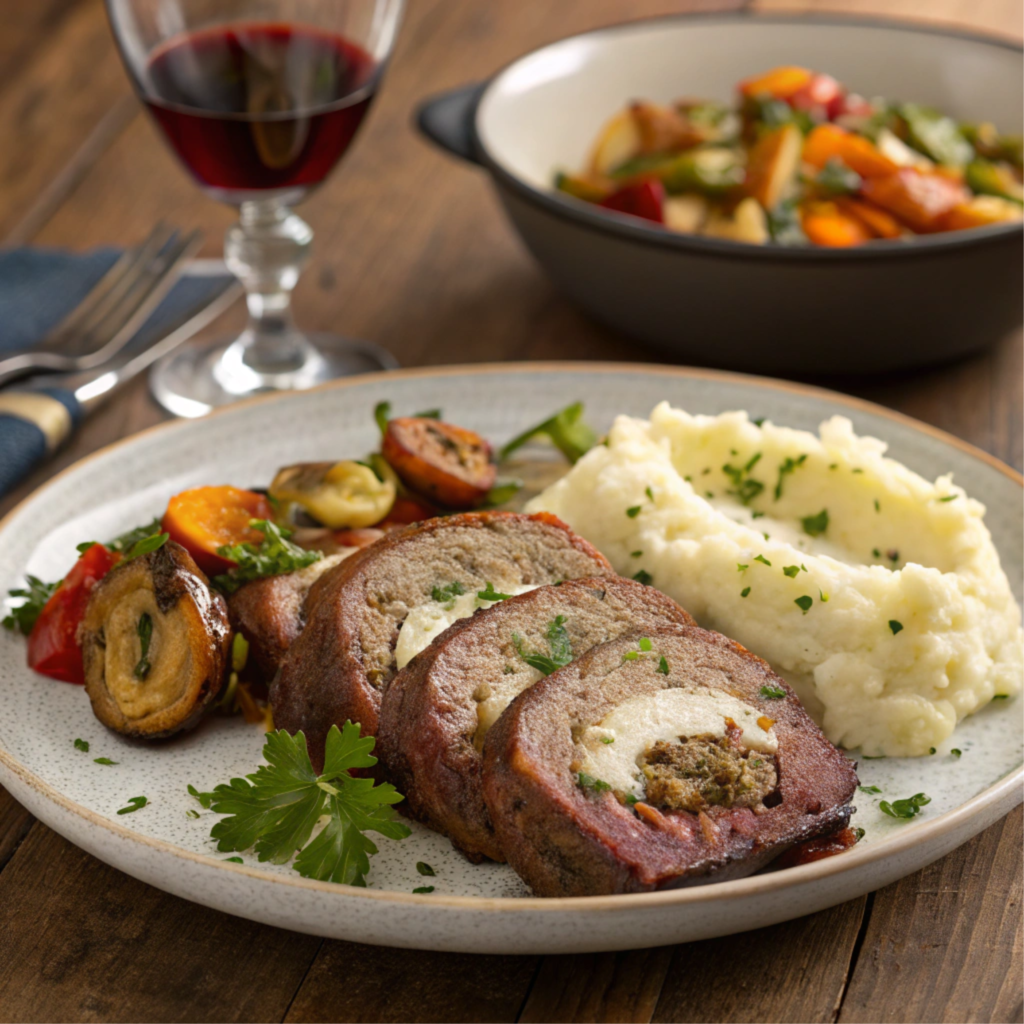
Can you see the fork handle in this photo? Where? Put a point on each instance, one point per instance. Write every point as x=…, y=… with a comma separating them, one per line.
x=33, y=424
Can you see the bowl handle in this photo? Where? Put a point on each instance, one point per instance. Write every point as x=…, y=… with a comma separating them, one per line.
x=447, y=120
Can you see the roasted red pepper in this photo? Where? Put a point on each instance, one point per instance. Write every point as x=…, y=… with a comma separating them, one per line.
x=53, y=643
x=646, y=199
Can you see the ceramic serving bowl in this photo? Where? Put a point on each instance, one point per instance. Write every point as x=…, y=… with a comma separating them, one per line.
x=880, y=307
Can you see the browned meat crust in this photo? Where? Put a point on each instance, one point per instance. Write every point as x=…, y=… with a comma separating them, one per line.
x=344, y=658
x=187, y=647
x=436, y=711
x=270, y=614
x=565, y=841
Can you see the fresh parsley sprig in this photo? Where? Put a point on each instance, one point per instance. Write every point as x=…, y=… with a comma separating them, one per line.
x=35, y=594
x=909, y=808
x=276, y=808
x=274, y=555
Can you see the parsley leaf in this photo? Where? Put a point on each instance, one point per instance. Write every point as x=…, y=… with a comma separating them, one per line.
x=566, y=430
x=592, y=785
x=382, y=413
x=772, y=692
x=135, y=803
x=762, y=560
x=448, y=592
x=869, y=789
x=814, y=526
x=107, y=761
x=23, y=617
x=423, y=890
x=425, y=869
x=644, y=643
x=790, y=570
x=644, y=577
x=126, y=541
x=501, y=492
x=559, y=643
x=82, y=745
x=490, y=594
x=908, y=808
x=804, y=603
x=895, y=626
x=744, y=488
x=205, y=799
x=663, y=665
x=745, y=592
x=276, y=809
x=274, y=555
x=633, y=511
x=787, y=467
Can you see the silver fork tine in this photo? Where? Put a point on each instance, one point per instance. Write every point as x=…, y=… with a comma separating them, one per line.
x=161, y=282
x=138, y=290
x=127, y=265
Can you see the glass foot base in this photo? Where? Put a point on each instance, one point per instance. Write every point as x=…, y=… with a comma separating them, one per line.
x=189, y=382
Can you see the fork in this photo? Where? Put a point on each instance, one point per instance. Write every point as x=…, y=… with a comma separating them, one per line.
x=109, y=316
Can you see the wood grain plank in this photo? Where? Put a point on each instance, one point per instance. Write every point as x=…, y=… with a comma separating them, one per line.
x=353, y=982
x=25, y=28
x=79, y=941
x=74, y=84
x=795, y=971
x=15, y=823
x=599, y=986
x=945, y=943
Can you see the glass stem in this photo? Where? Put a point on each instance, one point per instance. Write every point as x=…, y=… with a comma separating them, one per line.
x=267, y=250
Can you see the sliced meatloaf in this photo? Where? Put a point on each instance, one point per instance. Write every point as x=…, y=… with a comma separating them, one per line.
x=675, y=758
x=270, y=614
x=345, y=657
x=438, y=710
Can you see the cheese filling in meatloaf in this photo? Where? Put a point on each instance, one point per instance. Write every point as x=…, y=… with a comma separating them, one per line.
x=704, y=742
x=658, y=760
x=436, y=714
x=338, y=668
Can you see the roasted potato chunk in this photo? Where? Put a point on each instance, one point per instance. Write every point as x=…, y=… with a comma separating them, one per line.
x=155, y=643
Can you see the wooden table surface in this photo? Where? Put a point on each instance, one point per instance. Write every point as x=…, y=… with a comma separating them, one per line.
x=412, y=251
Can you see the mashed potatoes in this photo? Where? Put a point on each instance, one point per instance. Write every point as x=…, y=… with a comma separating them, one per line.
x=878, y=595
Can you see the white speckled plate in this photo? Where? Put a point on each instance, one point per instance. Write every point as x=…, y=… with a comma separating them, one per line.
x=482, y=908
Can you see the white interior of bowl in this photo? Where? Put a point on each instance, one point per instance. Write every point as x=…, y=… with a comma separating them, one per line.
x=544, y=111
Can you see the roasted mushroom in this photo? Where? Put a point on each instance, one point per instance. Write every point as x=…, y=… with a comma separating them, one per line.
x=270, y=614
x=447, y=464
x=155, y=643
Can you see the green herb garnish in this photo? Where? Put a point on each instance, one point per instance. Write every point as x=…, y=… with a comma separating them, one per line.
x=501, y=492
x=815, y=526
x=645, y=644
x=490, y=594
x=205, y=799
x=772, y=692
x=762, y=560
x=382, y=413
x=276, y=808
x=744, y=487
x=274, y=555
x=790, y=570
x=607, y=740
x=448, y=592
x=106, y=761
x=633, y=511
x=146, y=545
x=895, y=626
x=950, y=497
x=425, y=869
x=593, y=785
x=745, y=591
x=559, y=643
x=233, y=860
x=790, y=465
x=663, y=665
x=566, y=430
x=190, y=813
x=127, y=540
x=635, y=554
x=422, y=890
x=135, y=803
x=836, y=179
x=82, y=745
x=644, y=577
x=858, y=833
x=144, y=631
x=869, y=789
x=908, y=808
x=804, y=603
x=35, y=593
x=956, y=752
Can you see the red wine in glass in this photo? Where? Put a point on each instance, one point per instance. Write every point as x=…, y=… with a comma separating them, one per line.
x=255, y=107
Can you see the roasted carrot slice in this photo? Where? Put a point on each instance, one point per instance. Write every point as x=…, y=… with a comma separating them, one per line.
x=830, y=142
x=915, y=198
x=980, y=212
x=206, y=518
x=781, y=82
x=825, y=224
x=876, y=220
x=772, y=165
x=448, y=465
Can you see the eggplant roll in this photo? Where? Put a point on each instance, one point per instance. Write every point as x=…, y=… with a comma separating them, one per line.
x=667, y=759
x=155, y=643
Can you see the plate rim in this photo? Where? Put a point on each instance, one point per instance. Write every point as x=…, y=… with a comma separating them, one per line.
x=741, y=888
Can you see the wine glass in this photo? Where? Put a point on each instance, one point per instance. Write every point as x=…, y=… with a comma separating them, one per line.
x=259, y=99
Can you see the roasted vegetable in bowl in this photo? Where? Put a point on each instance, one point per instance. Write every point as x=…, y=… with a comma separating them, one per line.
x=798, y=160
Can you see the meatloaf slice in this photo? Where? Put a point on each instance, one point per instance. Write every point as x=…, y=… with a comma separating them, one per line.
x=675, y=758
x=438, y=709
x=345, y=657
x=270, y=614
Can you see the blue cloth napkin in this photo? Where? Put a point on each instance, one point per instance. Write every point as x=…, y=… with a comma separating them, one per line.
x=38, y=288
